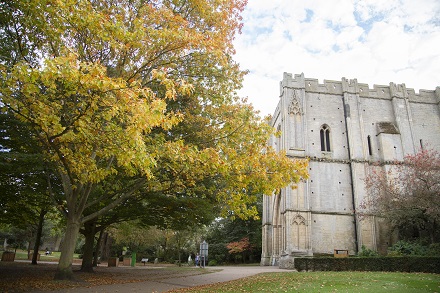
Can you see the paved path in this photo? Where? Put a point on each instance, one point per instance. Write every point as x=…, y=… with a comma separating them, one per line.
x=164, y=283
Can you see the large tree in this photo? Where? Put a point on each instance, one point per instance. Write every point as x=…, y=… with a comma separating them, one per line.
x=407, y=194
x=101, y=84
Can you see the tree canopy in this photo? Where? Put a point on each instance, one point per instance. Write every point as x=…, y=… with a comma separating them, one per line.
x=143, y=90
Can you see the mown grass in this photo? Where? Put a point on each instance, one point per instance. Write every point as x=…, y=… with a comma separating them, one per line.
x=328, y=282
x=54, y=256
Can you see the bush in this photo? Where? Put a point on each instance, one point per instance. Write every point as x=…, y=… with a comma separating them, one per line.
x=402, y=248
x=212, y=263
x=366, y=252
x=218, y=252
x=434, y=249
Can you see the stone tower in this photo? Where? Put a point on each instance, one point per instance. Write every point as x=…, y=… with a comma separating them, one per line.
x=342, y=127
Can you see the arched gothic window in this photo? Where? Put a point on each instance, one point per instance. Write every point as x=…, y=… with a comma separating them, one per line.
x=325, y=138
x=299, y=232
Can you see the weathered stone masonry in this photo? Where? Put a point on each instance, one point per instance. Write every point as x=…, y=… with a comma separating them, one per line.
x=343, y=127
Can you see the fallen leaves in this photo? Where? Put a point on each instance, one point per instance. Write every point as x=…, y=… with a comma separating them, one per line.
x=23, y=277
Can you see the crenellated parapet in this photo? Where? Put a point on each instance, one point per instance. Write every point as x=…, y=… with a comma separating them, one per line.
x=332, y=87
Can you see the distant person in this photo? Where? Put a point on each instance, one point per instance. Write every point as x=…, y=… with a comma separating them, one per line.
x=197, y=260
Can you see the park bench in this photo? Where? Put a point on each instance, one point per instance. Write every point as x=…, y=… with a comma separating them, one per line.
x=340, y=253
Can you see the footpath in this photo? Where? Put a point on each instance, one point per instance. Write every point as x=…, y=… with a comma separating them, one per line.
x=164, y=283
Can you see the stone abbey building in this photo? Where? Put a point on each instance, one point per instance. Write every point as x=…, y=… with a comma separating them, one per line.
x=342, y=127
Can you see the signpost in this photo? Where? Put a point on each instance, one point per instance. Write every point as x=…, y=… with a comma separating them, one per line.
x=203, y=252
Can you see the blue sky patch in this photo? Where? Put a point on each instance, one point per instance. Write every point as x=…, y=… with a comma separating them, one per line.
x=335, y=27
x=309, y=15
x=367, y=24
x=336, y=48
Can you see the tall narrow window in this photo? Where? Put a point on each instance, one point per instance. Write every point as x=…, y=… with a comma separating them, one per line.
x=370, y=150
x=325, y=138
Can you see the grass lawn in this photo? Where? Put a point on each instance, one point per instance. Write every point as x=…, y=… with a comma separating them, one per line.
x=328, y=282
x=54, y=256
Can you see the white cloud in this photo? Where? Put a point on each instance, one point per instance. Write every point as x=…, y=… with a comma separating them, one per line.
x=375, y=41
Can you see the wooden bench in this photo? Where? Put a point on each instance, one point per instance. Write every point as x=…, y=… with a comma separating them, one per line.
x=144, y=260
x=340, y=253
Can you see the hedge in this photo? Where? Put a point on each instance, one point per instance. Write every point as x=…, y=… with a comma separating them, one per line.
x=389, y=264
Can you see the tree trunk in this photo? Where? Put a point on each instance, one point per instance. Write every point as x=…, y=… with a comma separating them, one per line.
x=89, y=233
x=57, y=243
x=98, y=248
x=178, y=250
x=64, y=270
x=106, y=243
x=38, y=236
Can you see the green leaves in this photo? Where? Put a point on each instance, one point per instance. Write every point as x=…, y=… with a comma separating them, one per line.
x=86, y=116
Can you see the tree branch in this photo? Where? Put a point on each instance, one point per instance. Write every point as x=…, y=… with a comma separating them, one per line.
x=135, y=187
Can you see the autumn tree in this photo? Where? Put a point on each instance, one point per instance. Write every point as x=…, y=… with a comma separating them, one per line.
x=239, y=248
x=407, y=194
x=137, y=89
x=93, y=101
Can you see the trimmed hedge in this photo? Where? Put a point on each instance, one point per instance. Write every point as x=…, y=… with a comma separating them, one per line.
x=389, y=264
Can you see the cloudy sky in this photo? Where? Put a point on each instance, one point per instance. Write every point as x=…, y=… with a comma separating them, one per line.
x=375, y=41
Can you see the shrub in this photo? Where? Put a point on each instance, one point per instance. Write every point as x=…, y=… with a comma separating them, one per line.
x=212, y=263
x=408, y=248
x=366, y=252
x=434, y=249
x=218, y=252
